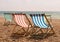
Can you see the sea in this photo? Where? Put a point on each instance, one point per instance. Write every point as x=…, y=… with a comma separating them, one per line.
x=54, y=14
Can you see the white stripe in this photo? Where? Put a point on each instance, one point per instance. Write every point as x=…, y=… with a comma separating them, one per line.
x=20, y=20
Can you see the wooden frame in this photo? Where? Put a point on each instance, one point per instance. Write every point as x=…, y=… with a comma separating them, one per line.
x=21, y=26
x=48, y=24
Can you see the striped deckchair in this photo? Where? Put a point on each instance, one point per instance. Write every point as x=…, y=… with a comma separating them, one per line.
x=8, y=18
x=41, y=21
x=22, y=21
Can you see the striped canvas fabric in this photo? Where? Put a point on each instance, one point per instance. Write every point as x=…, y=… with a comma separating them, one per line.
x=39, y=20
x=20, y=20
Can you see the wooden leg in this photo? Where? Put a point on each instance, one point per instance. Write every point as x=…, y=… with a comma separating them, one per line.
x=20, y=30
x=38, y=31
x=52, y=31
x=49, y=32
x=23, y=30
x=32, y=31
x=27, y=30
x=13, y=29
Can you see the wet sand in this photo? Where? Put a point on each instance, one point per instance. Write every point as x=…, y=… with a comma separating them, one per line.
x=5, y=31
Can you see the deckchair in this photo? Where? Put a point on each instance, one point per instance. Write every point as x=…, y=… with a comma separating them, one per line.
x=40, y=20
x=19, y=19
x=22, y=20
x=8, y=18
x=8, y=21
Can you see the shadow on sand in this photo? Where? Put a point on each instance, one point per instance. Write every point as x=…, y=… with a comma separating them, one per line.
x=41, y=36
x=35, y=37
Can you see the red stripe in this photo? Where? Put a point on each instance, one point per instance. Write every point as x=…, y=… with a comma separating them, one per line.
x=20, y=20
x=25, y=25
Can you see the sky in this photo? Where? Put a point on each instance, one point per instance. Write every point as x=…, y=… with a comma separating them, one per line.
x=29, y=5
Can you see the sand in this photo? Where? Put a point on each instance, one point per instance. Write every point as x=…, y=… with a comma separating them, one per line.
x=5, y=32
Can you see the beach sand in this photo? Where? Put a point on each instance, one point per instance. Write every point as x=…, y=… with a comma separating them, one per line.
x=6, y=31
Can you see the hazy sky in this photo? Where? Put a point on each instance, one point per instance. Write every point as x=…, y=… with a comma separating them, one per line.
x=29, y=5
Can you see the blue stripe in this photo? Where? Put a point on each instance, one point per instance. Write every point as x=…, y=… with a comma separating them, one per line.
x=39, y=22
x=44, y=22
x=36, y=21
x=33, y=19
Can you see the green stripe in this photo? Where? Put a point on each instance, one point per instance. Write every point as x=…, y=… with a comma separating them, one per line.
x=8, y=17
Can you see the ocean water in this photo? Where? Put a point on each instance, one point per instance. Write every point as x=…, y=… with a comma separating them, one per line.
x=54, y=15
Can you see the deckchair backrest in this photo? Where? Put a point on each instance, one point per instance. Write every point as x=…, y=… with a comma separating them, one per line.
x=39, y=20
x=21, y=19
x=8, y=17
